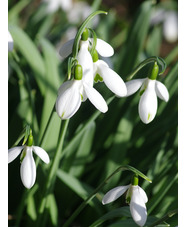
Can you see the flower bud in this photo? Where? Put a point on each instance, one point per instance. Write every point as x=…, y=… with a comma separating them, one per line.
x=154, y=72
x=78, y=72
x=30, y=139
x=95, y=56
x=134, y=180
x=85, y=34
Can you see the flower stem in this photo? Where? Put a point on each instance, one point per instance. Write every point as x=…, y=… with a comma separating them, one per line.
x=26, y=192
x=52, y=174
x=159, y=61
x=164, y=218
x=80, y=31
x=85, y=202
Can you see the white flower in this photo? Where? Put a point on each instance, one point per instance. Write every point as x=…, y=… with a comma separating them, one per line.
x=10, y=42
x=79, y=12
x=136, y=197
x=112, y=80
x=28, y=167
x=150, y=89
x=54, y=5
x=72, y=93
x=102, y=47
x=169, y=18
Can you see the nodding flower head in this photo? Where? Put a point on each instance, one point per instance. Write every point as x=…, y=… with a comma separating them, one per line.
x=150, y=89
x=28, y=167
x=135, y=197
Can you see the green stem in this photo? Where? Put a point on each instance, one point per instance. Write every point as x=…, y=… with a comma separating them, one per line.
x=52, y=174
x=26, y=192
x=86, y=125
x=159, y=60
x=164, y=218
x=80, y=31
x=84, y=203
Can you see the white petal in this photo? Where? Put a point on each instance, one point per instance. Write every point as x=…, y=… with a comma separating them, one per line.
x=10, y=42
x=69, y=101
x=66, y=5
x=133, y=86
x=28, y=169
x=103, y=48
x=14, y=152
x=161, y=91
x=143, y=194
x=67, y=84
x=114, y=194
x=66, y=49
x=52, y=6
x=157, y=16
x=137, y=207
x=42, y=154
x=112, y=80
x=85, y=60
x=148, y=103
x=95, y=98
x=170, y=26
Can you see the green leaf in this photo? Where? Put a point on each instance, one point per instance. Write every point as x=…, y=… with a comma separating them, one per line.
x=129, y=55
x=81, y=189
x=120, y=212
x=53, y=83
x=82, y=155
x=53, y=209
x=31, y=208
x=30, y=52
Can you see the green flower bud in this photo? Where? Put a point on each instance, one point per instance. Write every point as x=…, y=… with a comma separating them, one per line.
x=85, y=34
x=78, y=72
x=95, y=56
x=30, y=139
x=135, y=180
x=154, y=72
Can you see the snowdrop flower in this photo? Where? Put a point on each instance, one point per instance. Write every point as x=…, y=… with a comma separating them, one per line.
x=79, y=12
x=170, y=23
x=28, y=167
x=54, y=5
x=10, y=42
x=135, y=197
x=102, y=72
x=150, y=89
x=72, y=93
x=102, y=47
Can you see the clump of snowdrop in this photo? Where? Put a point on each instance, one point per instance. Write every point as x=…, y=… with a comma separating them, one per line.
x=150, y=89
x=135, y=196
x=93, y=70
x=73, y=92
x=28, y=166
x=10, y=42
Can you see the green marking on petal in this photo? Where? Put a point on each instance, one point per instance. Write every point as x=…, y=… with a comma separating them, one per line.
x=62, y=114
x=149, y=116
x=81, y=97
x=98, y=78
